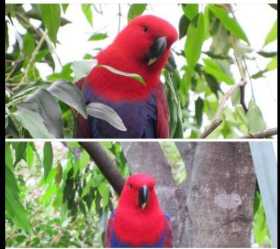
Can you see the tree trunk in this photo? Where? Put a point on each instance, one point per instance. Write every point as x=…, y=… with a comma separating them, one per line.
x=214, y=207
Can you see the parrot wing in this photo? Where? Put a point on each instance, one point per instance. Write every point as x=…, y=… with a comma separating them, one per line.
x=156, y=111
x=162, y=126
x=168, y=237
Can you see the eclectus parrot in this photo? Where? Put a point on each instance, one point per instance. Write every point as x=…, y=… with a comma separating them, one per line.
x=138, y=220
x=142, y=48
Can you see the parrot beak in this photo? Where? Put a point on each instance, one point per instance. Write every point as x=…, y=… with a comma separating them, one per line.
x=143, y=196
x=156, y=50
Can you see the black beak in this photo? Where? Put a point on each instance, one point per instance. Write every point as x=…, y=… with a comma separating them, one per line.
x=156, y=50
x=143, y=196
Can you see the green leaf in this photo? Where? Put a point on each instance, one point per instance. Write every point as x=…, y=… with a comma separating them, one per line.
x=9, y=161
x=183, y=26
x=64, y=74
x=194, y=41
x=98, y=37
x=29, y=155
x=272, y=64
x=64, y=7
x=255, y=119
x=47, y=159
x=212, y=83
x=20, y=148
x=28, y=44
x=272, y=34
x=260, y=227
x=104, y=192
x=40, y=114
x=135, y=10
x=50, y=14
x=106, y=113
x=86, y=8
x=228, y=22
x=267, y=54
x=49, y=110
x=213, y=68
x=258, y=74
x=190, y=10
x=14, y=209
x=32, y=121
x=199, y=103
x=69, y=94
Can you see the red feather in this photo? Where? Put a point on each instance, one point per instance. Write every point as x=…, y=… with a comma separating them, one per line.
x=168, y=238
x=162, y=129
x=124, y=56
x=134, y=225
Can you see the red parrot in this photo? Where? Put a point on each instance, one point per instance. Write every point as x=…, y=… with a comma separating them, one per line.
x=142, y=48
x=138, y=220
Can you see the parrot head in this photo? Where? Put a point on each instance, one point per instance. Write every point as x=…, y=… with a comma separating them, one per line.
x=143, y=48
x=138, y=217
x=147, y=39
x=139, y=192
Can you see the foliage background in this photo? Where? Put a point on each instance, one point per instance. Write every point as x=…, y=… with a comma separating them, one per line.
x=56, y=196
x=213, y=55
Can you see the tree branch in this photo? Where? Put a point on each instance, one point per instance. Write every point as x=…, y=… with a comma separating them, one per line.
x=105, y=164
x=263, y=134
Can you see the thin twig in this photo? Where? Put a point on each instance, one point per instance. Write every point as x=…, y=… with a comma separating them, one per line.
x=120, y=16
x=214, y=124
x=263, y=134
x=33, y=56
x=217, y=120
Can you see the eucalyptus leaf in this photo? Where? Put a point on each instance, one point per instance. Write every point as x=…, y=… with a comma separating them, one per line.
x=86, y=8
x=272, y=34
x=106, y=113
x=183, y=26
x=9, y=161
x=272, y=64
x=214, y=69
x=40, y=115
x=199, y=103
x=229, y=23
x=47, y=158
x=50, y=14
x=29, y=117
x=190, y=10
x=13, y=208
x=49, y=110
x=255, y=119
x=69, y=94
x=28, y=44
x=194, y=41
x=98, y=37
x=135, y=10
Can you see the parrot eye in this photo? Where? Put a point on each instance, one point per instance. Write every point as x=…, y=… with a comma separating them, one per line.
x=145, y=28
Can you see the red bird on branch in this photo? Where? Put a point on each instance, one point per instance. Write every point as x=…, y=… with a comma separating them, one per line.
x=142, y=48
x=138, y=220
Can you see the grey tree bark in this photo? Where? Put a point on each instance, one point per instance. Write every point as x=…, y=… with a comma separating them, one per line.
x=214, y=206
